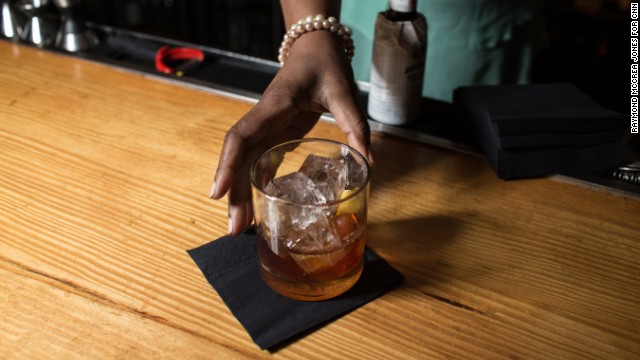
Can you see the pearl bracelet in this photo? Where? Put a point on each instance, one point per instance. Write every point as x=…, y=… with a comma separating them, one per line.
x=313, y=23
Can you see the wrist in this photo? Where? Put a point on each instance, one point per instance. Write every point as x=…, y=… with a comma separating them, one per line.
x=294, y=10
x=302, y=30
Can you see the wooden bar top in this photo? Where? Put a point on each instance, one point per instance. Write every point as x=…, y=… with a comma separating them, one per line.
x=104, y=181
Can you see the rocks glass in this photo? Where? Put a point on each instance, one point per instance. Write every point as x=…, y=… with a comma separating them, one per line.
x=310, y=207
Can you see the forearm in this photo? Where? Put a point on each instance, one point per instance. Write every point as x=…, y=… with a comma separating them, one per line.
x=294, y=10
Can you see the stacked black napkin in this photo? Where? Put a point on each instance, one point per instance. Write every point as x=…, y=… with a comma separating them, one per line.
x=542, y=129
x=230, y=265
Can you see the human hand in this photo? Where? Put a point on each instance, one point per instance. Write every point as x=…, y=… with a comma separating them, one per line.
x=316, y=78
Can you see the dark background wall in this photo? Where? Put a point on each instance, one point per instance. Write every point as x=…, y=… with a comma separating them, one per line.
x=589, y=46
x=252, y=27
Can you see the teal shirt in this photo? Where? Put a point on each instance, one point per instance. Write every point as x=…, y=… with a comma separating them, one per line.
x=470, y=42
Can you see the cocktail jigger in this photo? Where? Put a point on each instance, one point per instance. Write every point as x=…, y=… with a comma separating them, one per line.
x=35, y=30
x=9, y=27
x=73, y=34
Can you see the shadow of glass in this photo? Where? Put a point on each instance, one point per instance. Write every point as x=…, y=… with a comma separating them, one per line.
x=417, y=244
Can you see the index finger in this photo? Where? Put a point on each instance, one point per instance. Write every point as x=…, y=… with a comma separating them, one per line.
x=231, y=157
x=252, y=128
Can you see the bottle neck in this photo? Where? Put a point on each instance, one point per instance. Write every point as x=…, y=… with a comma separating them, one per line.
x=402, y=10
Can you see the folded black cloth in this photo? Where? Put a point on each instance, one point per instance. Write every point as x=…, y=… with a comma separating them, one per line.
x=557, y=140
x=536, y=162
x=230, y=265
x=537, y=130
x=539, y=109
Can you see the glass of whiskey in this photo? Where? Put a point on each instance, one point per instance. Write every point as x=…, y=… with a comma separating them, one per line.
x=310, y=207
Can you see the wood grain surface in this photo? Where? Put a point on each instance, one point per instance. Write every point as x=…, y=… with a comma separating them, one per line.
x=104, y=180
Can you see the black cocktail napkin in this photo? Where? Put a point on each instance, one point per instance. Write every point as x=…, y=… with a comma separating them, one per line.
x=539, y=109
x=230, y=265
x=542, y=129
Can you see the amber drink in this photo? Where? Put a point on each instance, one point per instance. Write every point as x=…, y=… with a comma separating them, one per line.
x=310, y=207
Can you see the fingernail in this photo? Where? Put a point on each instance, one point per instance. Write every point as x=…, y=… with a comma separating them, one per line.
x=233, y=214
x=370, y=156
x=212, y=191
